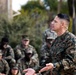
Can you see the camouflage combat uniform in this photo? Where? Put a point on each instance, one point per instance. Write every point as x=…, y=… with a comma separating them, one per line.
x=24, y=64
x=8, y=55
x=62, y=52
x=48, y=32
x=20, y=52
x=4, y=67
x=45, y=55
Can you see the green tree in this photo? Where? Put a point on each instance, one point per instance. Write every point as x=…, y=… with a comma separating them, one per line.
x=52, y=4
x=70, y=6
x=31, y=5
x=37, y=21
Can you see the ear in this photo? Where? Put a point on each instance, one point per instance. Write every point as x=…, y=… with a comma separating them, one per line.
x=62, y=23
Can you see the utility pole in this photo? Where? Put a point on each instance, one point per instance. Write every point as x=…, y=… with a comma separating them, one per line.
x=9, y=9
x=74, y=20
x=59, y=6
x=6, y=9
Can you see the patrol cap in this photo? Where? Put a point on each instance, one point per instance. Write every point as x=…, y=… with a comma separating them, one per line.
x=29, y=50
x=1, y=52
x=15, y=67
x=24, y=37
x=51, y=36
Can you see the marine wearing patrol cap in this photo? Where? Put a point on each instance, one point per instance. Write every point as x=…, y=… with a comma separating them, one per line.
x=15, y=67
x=25, y=37
x=50, y=38
x=29, y=50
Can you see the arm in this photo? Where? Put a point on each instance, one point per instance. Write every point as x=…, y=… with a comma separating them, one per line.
x=17, y=52
x=35, y=55
x=6, y=67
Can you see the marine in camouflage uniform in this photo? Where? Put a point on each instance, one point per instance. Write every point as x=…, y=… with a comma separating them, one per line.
x=14, y=70
x=45, y=52
x=4, y=67
x=20, y=49
x=28, y=62
x=62, y=54
x=63, y=49
x=8, y=53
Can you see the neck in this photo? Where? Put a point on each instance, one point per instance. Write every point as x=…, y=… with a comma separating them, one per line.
x=25, y=46
x=61, y=32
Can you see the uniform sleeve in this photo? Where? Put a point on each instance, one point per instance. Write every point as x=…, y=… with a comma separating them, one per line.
x=10, y=53
x=43, y=37
x=36, y=65
x=19, y=65
x=6, y=67
x=35, y=55
x=42, y=56
x=17, y=52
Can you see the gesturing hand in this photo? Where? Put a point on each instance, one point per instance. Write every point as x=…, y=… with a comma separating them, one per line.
x=29, y=71
x=48, y=66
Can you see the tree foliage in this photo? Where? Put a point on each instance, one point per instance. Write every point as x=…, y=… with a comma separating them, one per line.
x=31, y=22
x=52, y=4
x=32, y=5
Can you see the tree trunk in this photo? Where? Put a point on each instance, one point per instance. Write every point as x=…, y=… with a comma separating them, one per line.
x=74, y=20
x=59, y=5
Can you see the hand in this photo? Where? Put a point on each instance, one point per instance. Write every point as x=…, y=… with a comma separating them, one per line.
x=48, y=66
x=29, y=71
x=2, y=74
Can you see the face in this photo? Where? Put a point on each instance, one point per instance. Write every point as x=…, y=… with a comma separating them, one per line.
x=25, y=42
x=0, y=57
x=56, y=24
x=14, y=72
x=5, y=45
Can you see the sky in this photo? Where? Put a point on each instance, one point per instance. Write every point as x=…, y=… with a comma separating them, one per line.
x=16, y=4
